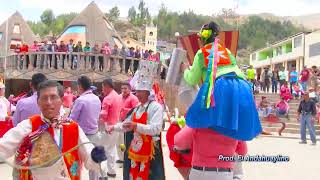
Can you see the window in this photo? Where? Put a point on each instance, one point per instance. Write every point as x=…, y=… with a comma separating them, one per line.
x=298, y=42
x=16, y=29
x=0, y=35
x=151, y=33
x=128, y=42
x=314, y=49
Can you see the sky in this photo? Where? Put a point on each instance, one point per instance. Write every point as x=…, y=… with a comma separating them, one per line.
x=32, y=9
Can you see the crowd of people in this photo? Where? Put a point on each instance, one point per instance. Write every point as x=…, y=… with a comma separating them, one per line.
x=89, y=53
x=303, y=86
x=283, y=81
x=47, y=119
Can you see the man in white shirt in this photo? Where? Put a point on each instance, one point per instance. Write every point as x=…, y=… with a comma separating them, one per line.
x=146, y=122
x=283, y=76
x=5, y=107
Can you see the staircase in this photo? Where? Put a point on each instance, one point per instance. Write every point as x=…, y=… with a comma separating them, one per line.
x=292, y=125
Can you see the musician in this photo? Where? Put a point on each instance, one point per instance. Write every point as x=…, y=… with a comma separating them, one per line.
x=144, y=152
x=42, y=137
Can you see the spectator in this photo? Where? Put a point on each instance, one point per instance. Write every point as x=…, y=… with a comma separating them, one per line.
x=130, y=55
x=95, y=51
x=137, y=55
x=106, y=50
x=78, y=48
x=19, y=57
x=17, y=49
x=283, y=76
x=282, y=108
x=313, y=95
x=297, y=90
x=151, y=57
x=6, y=107
x=128, y=102
x=44, y=48
x=101, y=58
x=109, y=116
x=70, y=47
x=52, y=49
x=35, y=48
x=24, y=51
x=251, y=75
x=28, y=106
x=123, y=54
x=68, y=98
x=293, y=78
x=157, y=57
x=274, y=80
x=285, y=92
x=115, y=52
x=146, y=54
x=63, y=48
x=305, y=75
x=265, y=107
x=86, y=111
x=266, y=78
x=315, y=74
x=87, y=51
x=306, y=112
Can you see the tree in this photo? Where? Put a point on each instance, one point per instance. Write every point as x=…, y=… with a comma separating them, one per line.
x=47, y=17
x=113, y=14
x=132, y=15
x=58, y=26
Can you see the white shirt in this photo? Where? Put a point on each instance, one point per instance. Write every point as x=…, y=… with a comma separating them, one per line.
x=5, y=107
x=154, y=122
x=12, y=139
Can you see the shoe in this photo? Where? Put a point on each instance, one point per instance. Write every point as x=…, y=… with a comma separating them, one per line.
x=119, y=162
x=303, y=142
x=313, y=144
x=112, y=175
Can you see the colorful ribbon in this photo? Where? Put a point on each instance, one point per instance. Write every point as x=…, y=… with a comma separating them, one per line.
x=214, y=58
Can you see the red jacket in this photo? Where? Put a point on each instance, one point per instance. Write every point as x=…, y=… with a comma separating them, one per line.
x=24, y=49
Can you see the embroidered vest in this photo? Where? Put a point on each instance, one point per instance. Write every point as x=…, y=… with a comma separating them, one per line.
x=141, y=150
x=142, y=146
x=69, y=139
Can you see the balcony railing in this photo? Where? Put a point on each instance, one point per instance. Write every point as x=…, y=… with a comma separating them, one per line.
x=80, y=62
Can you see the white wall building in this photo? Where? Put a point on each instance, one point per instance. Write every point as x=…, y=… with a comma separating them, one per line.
x=312, y=49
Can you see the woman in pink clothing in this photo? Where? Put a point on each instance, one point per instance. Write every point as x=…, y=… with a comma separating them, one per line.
x=35, y=48
x=285, y=92
x=106, y=49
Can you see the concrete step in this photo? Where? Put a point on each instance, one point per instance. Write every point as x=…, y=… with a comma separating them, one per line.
x=287, y=136
x=286, y=130
x=291, y=127
x=288, y=125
